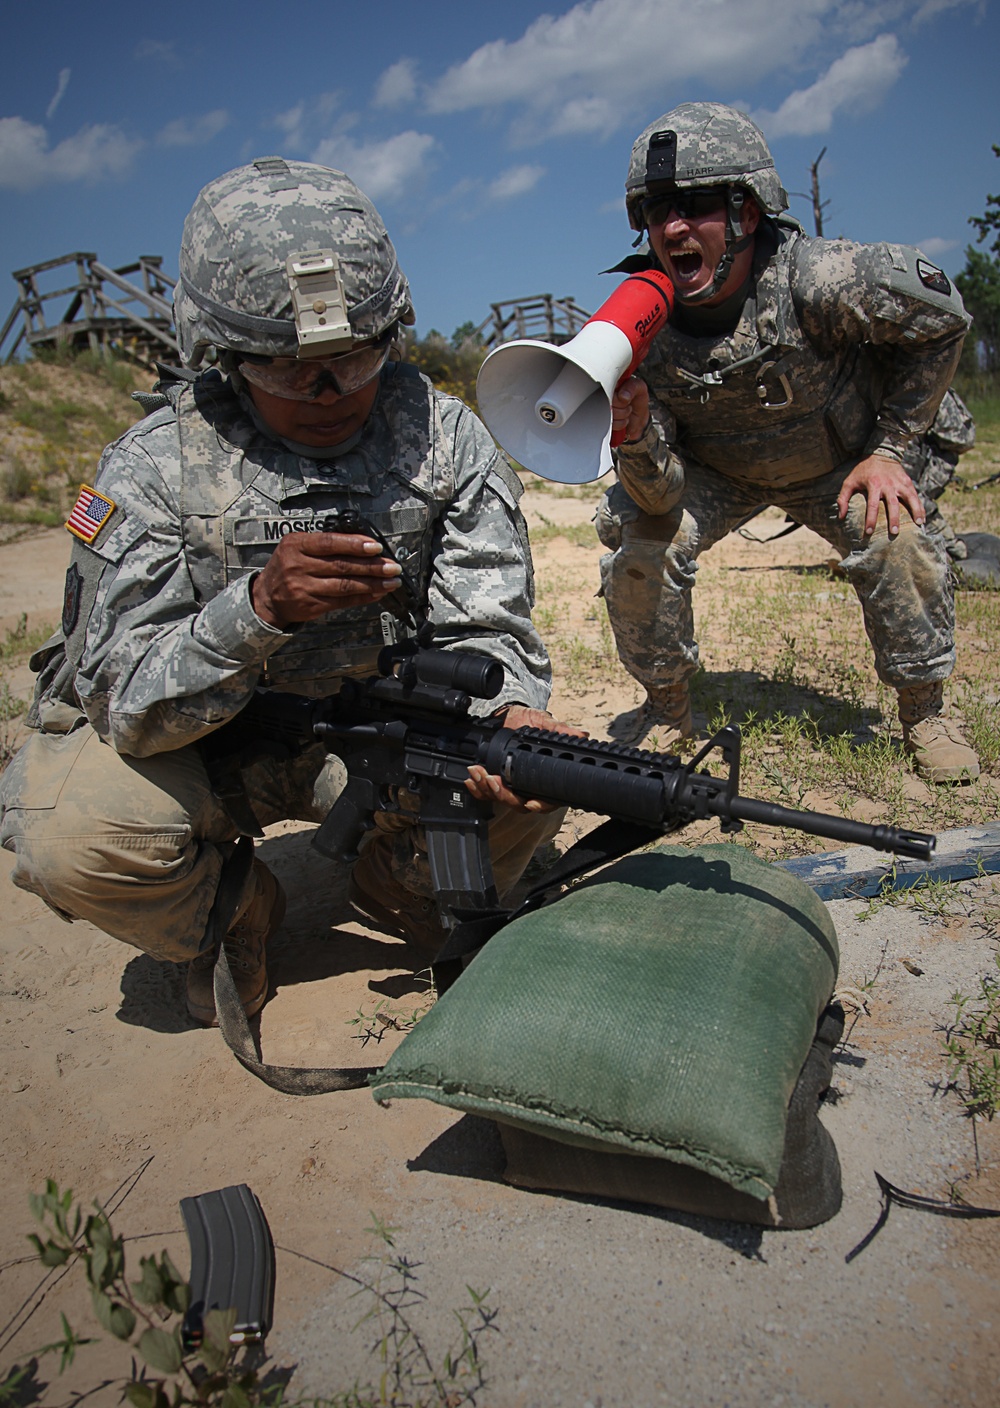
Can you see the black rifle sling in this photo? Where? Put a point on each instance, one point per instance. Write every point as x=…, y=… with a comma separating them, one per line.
x=292, y=1080
x=605, y=843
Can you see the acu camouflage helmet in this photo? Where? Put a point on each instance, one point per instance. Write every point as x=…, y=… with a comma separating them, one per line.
x=285, y=259
x=702, y=144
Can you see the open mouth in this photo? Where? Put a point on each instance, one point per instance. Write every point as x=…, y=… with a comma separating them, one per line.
x=687, y=265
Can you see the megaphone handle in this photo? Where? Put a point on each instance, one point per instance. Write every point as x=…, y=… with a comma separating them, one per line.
x=618, y=435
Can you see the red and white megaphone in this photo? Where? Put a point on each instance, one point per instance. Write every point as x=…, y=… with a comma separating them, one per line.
x=550, y=407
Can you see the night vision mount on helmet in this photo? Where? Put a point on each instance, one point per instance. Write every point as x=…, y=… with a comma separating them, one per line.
x=285, y=259
x=705, y=145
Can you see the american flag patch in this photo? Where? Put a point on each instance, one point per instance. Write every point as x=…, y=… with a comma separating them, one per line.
x=89, y=514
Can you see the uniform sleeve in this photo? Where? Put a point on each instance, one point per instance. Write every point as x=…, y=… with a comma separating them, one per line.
x=157, y=669
x=903, y=306
x=481, y=590
x=650, y=470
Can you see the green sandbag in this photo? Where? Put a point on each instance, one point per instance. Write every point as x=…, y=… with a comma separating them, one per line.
x=665, y=1007
x=808, y=1190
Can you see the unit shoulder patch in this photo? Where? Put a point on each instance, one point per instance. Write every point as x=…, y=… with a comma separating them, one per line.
x=933, y=277
x=89, y=514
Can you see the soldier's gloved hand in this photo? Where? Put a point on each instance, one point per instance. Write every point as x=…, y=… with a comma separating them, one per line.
x=490, y=788
x=630, y=409
x=310, y=574
x=881, y=480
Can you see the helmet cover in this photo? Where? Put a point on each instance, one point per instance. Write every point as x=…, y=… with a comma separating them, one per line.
x=252, y=244
x=702, y=144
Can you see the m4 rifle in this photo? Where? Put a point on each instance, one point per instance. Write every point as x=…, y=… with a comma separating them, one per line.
x=410, y=729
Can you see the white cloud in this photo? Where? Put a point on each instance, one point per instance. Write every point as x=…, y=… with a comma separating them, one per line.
x=397, y=85
x=193, y=131
x=930, y=8
x=516, y=181
x=601, y=63
x=290, y=122
x=593, y=114
x=162, y=51
x=935, y=247
x=854, y=83
x=301, y=124
x=608, y=64
x=382, y=169
x=57, y=96
x=92, y=154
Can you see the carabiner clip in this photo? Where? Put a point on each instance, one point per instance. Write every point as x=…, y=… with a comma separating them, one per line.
x=762, y=390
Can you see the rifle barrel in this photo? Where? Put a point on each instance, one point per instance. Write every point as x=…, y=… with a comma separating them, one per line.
x=915, y=844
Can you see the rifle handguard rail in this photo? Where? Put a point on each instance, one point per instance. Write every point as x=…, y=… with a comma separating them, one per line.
x=659, y=790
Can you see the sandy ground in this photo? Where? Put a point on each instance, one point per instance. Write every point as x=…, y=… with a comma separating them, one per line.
x=110, y=1090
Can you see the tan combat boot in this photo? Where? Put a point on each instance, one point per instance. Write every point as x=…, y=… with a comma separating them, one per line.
x=939, y=748
x=661, y=721
x=244, y=944
x=376, y=894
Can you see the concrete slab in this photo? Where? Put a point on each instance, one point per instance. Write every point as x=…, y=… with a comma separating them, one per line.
x=859, y=871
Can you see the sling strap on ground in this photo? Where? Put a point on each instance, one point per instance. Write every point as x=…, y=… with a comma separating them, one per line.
x=292, y=1080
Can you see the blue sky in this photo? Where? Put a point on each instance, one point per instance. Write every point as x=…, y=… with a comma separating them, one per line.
x=494, y=138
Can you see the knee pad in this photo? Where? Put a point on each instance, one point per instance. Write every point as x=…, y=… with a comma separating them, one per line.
x=614, y=509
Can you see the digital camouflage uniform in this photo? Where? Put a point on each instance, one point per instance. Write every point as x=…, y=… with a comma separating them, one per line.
x=845, y=354
x=840, y=351
x=932, y=461
x=109, y=807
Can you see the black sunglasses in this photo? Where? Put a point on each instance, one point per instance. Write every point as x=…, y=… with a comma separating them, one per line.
x=705, y=200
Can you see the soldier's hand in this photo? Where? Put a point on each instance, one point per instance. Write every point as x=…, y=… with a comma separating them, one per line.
x=630, y=409
x=882, y=481
x=490, y=788
x=310, y=574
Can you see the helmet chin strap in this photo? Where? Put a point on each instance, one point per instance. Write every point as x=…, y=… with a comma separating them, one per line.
x=736, y=242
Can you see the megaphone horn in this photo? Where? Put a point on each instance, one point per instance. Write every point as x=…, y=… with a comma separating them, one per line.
x=550, y=407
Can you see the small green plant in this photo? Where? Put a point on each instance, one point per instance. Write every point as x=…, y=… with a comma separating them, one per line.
x=410, y=1378
x=105, y=365
x=979, y=712
x=17, y=642
x=581, y=535
x=384, y=1018
x=972, y=1047
x=451, y=365
x=546, y=619
x=787, y=661
x=11, y=709
x=138, y=1313
x=15, y=479
x=51, y=418
x=932, y=899
x=148, y=1314
x=44, y=517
